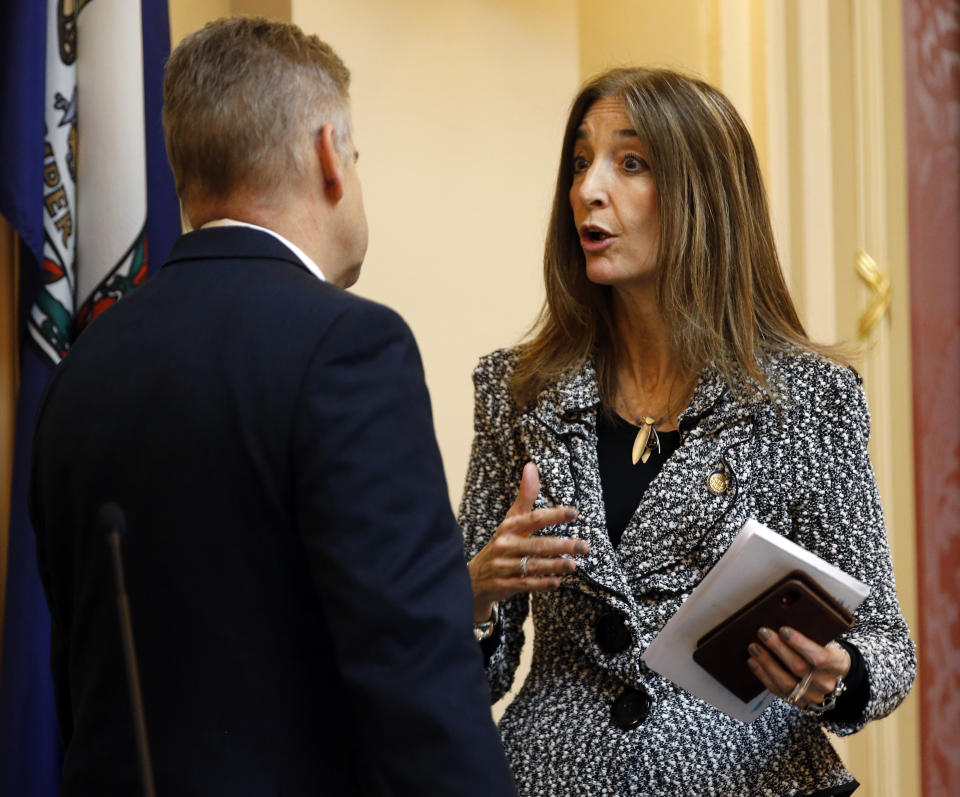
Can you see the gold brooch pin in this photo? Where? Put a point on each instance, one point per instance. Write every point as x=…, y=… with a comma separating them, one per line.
x=717, y=481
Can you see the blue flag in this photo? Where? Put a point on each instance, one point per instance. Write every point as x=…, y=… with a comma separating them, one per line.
x=124, y=193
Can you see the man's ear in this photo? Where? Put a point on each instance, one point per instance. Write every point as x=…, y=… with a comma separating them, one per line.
x=331, y=168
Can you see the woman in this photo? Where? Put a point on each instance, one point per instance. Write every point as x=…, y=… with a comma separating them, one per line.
x=669, y=393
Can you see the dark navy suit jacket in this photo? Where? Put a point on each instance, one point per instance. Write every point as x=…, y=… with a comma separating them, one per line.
x=300, y=604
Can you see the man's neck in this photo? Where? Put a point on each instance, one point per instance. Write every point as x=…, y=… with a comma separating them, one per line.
x=302, y=256
x=291, y=220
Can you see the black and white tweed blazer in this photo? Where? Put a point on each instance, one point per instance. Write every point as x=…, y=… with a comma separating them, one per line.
x=591, y=718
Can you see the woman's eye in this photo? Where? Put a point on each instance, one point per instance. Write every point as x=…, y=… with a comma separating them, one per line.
x=580, y=164
x=634, y=163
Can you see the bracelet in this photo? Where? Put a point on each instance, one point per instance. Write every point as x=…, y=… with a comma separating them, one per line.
x=829, y=702
x=484, y=630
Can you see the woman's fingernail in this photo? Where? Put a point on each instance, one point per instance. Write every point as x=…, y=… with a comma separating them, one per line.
x=754, y=649
x=582, y=547
x=753, y=665
x=569, y=565
x=764, y=634
x=785, y=632
x=571, y=513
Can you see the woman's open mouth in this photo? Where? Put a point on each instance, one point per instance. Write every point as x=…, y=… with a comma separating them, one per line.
x=594, y=238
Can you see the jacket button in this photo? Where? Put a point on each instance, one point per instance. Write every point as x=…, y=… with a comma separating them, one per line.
x=630, y=709
x=612, y=634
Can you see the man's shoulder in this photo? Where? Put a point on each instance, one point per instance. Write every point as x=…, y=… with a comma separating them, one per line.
x=262, y=272
x=361, y=313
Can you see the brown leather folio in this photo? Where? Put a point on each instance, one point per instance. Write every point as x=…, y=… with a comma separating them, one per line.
x=795, y=601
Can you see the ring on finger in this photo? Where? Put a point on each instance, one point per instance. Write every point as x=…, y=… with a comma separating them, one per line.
x=800, y=689
x=523, y=566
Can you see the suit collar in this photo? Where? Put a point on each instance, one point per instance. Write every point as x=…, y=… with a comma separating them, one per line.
x=302, y=256
x=220, y=243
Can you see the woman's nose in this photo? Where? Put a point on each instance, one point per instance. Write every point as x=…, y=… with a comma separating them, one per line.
x=593, y=189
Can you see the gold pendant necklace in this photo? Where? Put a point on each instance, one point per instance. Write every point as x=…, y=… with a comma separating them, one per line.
x=645, y=442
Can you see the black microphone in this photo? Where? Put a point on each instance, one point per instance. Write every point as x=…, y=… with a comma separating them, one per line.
x=113, y=523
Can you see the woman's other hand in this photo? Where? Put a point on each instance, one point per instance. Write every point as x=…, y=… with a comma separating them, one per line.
x=514, y=560
x=786, y=659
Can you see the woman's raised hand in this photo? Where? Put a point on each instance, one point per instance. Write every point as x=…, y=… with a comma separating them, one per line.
x=516, y=561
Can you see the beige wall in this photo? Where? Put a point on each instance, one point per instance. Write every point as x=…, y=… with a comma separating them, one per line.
x=188, y=15
x=679, y=34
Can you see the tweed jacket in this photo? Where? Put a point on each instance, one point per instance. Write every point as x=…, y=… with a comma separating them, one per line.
x=591, y=718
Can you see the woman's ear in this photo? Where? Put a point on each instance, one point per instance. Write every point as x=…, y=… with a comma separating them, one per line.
x=331, y=168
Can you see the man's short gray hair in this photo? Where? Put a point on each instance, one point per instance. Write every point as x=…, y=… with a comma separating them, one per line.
x=241, y=99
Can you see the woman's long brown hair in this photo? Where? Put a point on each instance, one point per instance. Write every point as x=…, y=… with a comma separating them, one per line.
x=720, y=284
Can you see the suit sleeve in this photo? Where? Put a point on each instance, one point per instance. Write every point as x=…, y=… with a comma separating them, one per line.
x=385, y=553
x=840, y=518
x=493, y=476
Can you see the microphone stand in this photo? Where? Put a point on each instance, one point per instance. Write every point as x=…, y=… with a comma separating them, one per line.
x=112, y=517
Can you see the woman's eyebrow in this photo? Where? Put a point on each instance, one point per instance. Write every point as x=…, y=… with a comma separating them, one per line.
x=626, y=132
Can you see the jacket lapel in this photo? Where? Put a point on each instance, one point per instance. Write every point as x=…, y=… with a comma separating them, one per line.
x=560, y=433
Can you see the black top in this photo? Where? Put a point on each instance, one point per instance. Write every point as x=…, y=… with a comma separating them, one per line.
x=623, y=482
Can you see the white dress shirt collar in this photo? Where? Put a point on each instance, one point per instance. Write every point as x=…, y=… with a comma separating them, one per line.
x=312, y=267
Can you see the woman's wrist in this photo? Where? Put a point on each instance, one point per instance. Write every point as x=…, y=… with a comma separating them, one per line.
x=482, y=610
x=484, y=629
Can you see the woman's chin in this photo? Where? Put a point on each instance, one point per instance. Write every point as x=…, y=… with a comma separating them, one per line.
x=603, y=274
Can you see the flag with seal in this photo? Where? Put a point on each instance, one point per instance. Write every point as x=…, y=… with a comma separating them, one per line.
x=85, y=184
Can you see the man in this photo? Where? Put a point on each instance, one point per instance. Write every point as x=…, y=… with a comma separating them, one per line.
x=300, y=603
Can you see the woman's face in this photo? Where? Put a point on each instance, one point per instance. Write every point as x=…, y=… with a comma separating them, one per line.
x=614, y=198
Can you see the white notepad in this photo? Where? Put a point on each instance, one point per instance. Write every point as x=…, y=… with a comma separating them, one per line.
x=756, y=560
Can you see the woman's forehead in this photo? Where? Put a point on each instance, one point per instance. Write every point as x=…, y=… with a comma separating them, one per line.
x=607, y=115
